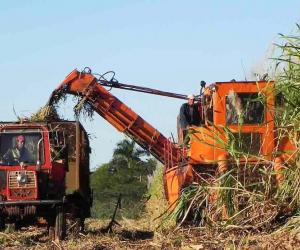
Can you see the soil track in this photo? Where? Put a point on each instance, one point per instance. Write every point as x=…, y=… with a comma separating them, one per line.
x=129, y=236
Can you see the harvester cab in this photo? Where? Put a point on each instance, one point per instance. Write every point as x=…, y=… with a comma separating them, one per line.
x=234, y=110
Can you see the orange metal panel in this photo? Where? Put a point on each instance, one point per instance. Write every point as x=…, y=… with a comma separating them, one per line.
x=202, y=145
x=173, y=186
x=175, y=179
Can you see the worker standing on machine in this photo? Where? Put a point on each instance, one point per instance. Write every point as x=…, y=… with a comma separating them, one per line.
x=189, y=115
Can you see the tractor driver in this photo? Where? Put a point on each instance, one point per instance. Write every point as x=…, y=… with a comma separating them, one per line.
x=188, y=116
x=18, y=154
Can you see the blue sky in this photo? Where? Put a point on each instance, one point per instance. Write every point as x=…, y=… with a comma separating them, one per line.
x=168, y=45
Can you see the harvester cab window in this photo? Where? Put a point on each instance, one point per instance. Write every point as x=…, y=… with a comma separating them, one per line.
x=21, y=146
x=244, y=108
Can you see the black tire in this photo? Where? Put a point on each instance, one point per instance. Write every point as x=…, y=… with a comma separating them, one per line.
x=60, y=224
x=2, y=222
x=51, y=224
x=17, y=225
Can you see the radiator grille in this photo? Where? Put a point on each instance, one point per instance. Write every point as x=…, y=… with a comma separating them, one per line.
x=13, y=182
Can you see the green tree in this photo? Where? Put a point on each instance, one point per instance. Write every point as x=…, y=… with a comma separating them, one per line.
x=126, y=153
x=125, y=174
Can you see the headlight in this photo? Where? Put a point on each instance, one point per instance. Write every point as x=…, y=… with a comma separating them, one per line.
x=22, y=178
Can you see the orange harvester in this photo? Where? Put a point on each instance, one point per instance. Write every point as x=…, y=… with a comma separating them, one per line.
x=221, y=106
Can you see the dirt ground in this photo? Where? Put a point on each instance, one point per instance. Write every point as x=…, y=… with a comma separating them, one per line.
x=132, y=235
x=152, y=232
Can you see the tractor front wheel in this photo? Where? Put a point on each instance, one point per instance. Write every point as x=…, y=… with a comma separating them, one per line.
x=60, y=224
x=2, y=222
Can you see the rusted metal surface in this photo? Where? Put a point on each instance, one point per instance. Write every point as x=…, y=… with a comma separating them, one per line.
x=77, y=176
x=78, y=150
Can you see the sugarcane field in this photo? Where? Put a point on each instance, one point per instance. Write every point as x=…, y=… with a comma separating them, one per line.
x=150, y=125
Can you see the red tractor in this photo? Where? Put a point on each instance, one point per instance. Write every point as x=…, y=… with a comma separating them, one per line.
x=44, y=173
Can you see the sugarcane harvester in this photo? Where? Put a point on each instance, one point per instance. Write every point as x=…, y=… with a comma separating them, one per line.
x=245, y=108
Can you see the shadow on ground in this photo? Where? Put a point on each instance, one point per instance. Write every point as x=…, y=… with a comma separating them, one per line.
x=133, y=235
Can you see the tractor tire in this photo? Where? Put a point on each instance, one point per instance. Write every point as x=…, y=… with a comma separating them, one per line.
x=2, y=223
x=60, y=224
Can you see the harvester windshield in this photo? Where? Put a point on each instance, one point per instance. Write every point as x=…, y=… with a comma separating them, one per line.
x=18, y=146
x=244, y=108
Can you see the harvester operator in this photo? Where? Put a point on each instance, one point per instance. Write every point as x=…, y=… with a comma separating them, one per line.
x=18, y=154
x=188, y=116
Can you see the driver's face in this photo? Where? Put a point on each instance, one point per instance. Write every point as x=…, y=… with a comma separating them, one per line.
x=20, y=144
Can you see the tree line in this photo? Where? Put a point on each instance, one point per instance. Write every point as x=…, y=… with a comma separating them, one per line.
x=126, y=174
